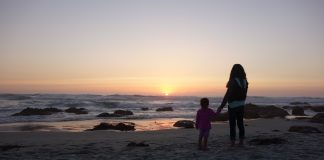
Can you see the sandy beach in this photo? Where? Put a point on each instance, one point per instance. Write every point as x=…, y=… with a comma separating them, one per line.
x=167, y=144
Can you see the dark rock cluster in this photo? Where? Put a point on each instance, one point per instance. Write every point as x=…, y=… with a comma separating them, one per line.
x=37, y=111
x=119, y=126
x=164, y=109
x=184, y=124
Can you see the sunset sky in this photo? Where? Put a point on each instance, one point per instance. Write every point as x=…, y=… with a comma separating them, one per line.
x=150, y=47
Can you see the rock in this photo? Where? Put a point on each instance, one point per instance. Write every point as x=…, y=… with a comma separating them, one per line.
x=108, y=126
x=53, y=110
x=299, y=103
x=275, y=130
x=164, y=109
x=318, y=108
x=144, y=109
x=105, y=114
x=76, y=110
x=304, y=129
x=252, y=108
x=318, y=118
x=221, y=117
x=265, y=111
x=252, y=111
x=36, y=111
x=298, y=111
x=249, y=114
x=117, y=113
x=301, y=106
x=102, y=126
x=286, y=107
x=123, y=112
x=267, y=141
x=184, y=124
x=272, y=111
x=310, y=107
x=134, y=144
x=124, y=127
x=302, y=118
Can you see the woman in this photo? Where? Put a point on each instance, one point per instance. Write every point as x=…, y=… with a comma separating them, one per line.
x=235, y=96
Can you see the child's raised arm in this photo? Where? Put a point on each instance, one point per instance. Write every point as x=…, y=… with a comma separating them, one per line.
x=214, y=114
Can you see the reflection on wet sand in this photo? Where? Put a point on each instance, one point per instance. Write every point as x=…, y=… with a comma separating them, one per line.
x=79, y=126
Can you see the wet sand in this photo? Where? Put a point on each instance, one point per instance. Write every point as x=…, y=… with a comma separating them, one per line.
x=80, y=126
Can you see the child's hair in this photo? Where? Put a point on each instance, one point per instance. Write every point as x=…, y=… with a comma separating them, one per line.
x=204, y=102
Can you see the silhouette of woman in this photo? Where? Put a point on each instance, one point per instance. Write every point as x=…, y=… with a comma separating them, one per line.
x=235, y=96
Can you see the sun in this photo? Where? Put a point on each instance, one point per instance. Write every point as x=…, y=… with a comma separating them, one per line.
x=166, y=90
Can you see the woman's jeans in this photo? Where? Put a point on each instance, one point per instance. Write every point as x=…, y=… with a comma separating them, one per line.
x=235, y=115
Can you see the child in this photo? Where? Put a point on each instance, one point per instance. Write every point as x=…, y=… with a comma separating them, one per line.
x=203, y=118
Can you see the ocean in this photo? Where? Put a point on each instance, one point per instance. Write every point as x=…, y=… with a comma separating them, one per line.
x=184, y=108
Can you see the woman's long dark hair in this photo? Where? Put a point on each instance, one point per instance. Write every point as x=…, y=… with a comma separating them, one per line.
x=237, y=72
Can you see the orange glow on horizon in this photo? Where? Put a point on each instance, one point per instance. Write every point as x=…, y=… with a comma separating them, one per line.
x=177, y=86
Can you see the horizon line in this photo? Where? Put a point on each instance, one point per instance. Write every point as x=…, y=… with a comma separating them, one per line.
x=147, y=95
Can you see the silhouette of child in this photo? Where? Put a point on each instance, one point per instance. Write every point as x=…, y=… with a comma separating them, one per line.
x=203, y=118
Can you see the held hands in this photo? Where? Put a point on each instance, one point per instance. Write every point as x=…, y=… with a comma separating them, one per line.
x=219, y=109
